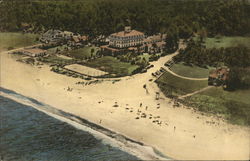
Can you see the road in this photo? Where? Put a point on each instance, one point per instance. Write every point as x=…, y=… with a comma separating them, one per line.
x=188, y=78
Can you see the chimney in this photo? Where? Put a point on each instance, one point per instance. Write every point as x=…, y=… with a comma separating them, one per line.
x=127, y=29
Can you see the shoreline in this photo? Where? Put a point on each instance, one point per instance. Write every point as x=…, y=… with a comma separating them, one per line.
x=114, y=139
x=182, y=134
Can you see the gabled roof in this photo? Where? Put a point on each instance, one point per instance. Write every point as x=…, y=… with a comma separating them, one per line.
x=35, y=50
x=84, y=38
x=220, y=72
x=76, y=38
x=125, y=34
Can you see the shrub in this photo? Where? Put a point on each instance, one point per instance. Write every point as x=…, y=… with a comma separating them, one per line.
x=10, y=48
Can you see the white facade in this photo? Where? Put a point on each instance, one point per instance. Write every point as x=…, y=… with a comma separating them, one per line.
x=127, y=38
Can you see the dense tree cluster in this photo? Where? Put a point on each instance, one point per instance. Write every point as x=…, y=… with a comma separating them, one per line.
x=95, y=17
x=236, y=58
x=133, y=59
x=171, y=42
x=197, y=54
x=239, y=78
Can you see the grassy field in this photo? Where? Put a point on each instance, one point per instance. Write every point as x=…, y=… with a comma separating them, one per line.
x=83, y=53
x=234, y=105
x=146, y=56
x=10, y=40
x=54, y=49
x=112, y=66
x=190, y=71
x=226, y=41
x=175, y=86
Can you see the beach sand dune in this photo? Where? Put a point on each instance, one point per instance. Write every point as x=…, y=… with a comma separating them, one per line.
x=179, y=133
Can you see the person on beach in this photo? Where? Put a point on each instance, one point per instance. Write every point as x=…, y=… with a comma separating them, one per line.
x=174, y=128
x=145, y=87
x=157, y=95
x=140, y=104
x=158, y=105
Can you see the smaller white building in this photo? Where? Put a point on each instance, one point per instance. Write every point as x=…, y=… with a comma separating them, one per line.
x=34, y=52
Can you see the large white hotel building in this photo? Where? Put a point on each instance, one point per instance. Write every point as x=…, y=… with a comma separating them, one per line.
x=126, y=38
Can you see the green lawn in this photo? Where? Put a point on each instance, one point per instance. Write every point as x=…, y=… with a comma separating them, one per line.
x=226, y=41
x=146, y=56
x=233, y=105
x=175, y=86
x=190, y=71
x=10, y=40
x=112, y=66
x=54, y=49
x=83, y=53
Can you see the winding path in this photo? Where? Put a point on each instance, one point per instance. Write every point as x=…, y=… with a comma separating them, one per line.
x=177, y=75
x=195, y=92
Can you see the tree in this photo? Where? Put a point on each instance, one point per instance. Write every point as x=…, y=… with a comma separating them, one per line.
x=92, y=51
x=171, y=43
x=185, y=31
x=202, y=35
x=97, y=17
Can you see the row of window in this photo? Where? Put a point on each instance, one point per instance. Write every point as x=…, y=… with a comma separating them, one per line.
x=124, y=45
x=140, y=42
x=127, y=37
x=123, y=42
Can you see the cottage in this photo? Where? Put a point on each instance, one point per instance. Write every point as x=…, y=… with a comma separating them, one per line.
x=218, y=77
x=26, y=27
x=153, y=39
x=67, y=35
x=84, y=38
x=76, y=39
x=52, y=36
x=155, y=43
x=56, y=36
x=34, y=52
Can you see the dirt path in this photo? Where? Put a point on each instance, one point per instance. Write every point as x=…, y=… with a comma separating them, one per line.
x=188, y=78
x=195, y=92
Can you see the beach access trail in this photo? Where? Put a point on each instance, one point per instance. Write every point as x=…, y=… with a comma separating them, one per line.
x=128, y=108
x=177, y=75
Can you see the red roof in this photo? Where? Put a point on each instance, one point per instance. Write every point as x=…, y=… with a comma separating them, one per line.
x=84, y=38
x=223, y=72
x=35, y=50
x=160, y=44
x=125, y=34
x=109, y=48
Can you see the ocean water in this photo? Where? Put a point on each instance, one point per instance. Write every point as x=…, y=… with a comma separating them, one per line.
x=27, y=134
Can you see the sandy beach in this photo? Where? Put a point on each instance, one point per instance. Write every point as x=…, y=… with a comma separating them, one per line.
x=180, y=133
